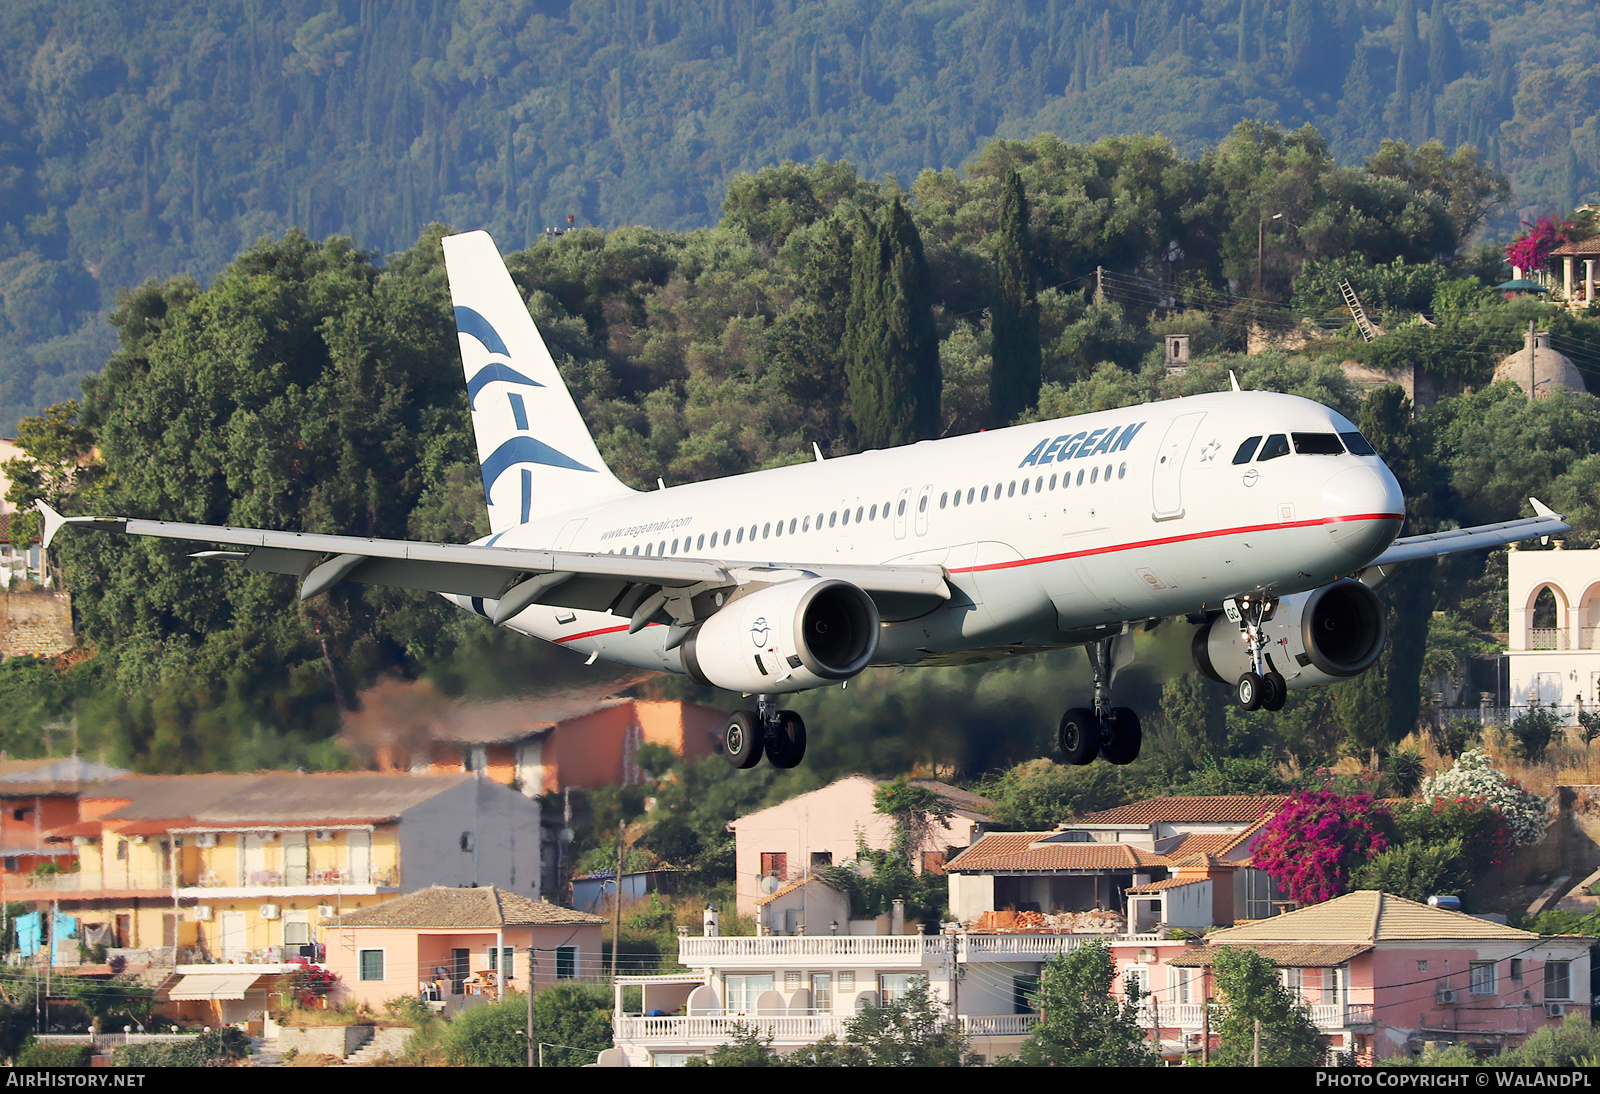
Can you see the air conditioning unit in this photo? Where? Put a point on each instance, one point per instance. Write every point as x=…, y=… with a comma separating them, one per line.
x=140, y=841
x=206, y=839
x=1447, y=997
x=1555, y=1010
x=325, y=911
x=270, y=911
x=324, y=836
x=202, y=913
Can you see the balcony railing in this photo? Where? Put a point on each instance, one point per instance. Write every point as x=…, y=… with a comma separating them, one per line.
x=787, y=1029
x=904, y=949
x=1191, y=1016
x=1548, y=638
x=275, y=879
x=96, y=882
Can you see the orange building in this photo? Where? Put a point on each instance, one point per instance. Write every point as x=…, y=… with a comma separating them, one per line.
x=36, y=796
x=543, y=746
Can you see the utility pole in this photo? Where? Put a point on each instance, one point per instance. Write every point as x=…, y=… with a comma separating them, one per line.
x=531, y=1038
x=1205, y=1015
x=616, y=905
x=1533, y=354
x=1255, y=1049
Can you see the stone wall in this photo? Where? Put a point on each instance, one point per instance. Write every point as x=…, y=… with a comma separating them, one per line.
x=35, y=624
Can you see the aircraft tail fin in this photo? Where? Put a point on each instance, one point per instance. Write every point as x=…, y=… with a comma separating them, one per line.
x=537, y=456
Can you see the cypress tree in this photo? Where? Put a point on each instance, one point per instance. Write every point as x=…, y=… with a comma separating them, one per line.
x=891, y=349
x=1014, y=380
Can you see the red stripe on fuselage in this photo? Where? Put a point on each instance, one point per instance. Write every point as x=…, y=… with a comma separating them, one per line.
x=1190, y=537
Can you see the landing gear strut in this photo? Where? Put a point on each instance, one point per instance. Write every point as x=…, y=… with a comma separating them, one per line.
x=1263, y=687
x=779, y=734
x=1112, y=732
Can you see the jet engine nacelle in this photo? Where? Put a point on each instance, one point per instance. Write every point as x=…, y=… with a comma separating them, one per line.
x=1321, y=637
x=787, y=637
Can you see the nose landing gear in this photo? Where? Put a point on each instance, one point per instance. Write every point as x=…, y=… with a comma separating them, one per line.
x=1263, y=687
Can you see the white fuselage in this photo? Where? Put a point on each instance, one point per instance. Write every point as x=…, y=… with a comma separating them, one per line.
x=1146, y=516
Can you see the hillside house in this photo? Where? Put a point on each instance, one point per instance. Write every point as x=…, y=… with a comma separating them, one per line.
x=795, y=838
x=1160, y=863
x=445, y=944
x=246, y=868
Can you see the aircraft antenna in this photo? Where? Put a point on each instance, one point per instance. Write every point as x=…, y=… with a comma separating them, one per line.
x=817, y=450
x=1234, y=380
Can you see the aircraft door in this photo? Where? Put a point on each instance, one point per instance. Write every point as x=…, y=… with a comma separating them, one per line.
x=1167, y=483
x=901, y=504
x=924, y=503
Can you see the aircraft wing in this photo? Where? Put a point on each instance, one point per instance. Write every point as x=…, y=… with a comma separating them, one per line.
x=1414, y=548
x=515, y=576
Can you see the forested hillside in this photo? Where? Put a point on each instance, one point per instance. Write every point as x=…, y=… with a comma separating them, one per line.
x=141, y=141
x=310, y=386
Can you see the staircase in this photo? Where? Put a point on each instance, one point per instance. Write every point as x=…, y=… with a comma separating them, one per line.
x=384, y=1042
x=1352, y=302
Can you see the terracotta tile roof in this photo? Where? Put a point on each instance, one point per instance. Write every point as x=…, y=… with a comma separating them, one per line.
x=63, y=776
x=964, y=802
x=1169, y=883
x=1222, y=809
x=271, y=797
x=512, y=720
x=1010, y=852
x=1285, y=956
x=797, y=883
x=1366, y=917
x=441, y=906
x=1590, y=246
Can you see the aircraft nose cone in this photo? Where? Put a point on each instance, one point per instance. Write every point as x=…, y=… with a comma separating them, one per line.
x=1359, y=499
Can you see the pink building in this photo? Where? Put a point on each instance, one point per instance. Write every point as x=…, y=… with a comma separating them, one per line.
x=1381, y=975
x=820, y=829
x=454, y=945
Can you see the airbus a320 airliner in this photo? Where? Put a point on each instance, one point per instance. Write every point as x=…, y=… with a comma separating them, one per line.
x=1263, y=521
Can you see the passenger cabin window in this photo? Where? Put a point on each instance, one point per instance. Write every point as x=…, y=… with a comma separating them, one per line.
x=1318, y=444
x=1277, y=445
x=1357, y=444
x=1246, y=450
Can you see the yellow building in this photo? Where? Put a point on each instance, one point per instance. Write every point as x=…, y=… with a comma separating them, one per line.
x=188, y=869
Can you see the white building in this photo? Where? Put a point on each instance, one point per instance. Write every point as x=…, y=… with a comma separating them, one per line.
x=1553, y=644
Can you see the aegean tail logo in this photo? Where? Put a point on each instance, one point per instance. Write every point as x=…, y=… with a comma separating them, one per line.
x=759, y=631
x=521, y=448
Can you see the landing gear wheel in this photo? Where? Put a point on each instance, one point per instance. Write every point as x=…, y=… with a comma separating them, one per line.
x=1274, y=691
x=741, y=740
x=788, y=746
x=1121, y=745
x=1079, y=736
x=1248, y=691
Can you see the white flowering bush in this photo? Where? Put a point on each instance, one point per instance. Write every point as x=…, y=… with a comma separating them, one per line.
x=1473, y=776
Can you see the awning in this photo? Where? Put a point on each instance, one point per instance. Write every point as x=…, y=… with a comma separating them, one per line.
x=213, y=985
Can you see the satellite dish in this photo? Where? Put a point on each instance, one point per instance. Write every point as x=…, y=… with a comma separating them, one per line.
x=769, y=885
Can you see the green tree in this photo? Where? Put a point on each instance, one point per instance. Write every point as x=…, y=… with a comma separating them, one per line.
x=1253, y=996
x=748, y=1048
x=1015, y=377
x=891, y=350
x=1415, y=871
x=1535, y=730
x=58, y=462
x=914, y=1030
x=1081, y=1024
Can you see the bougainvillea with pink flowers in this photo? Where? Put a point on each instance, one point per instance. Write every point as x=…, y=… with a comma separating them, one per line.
x=1317, y=839
x=1530, y=250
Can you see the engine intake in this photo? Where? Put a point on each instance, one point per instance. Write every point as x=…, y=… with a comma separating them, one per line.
x=1320, y=637
x=787, y=637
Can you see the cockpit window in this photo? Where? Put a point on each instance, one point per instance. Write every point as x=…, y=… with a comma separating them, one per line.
x=1357, y=444
x=1277, y=445
x=1318, y=444
x=1246, y=450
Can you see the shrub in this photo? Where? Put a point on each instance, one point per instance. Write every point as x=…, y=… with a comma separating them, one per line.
x=219, y=1048
x=1474, y=778
x=1535, y=730
x=1312, y=844
x=54, y=1054
x=1481, y=831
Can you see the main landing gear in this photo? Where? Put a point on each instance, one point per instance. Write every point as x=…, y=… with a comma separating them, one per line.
x=780, y=734
x=1111, y=732
x=1263, y=687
